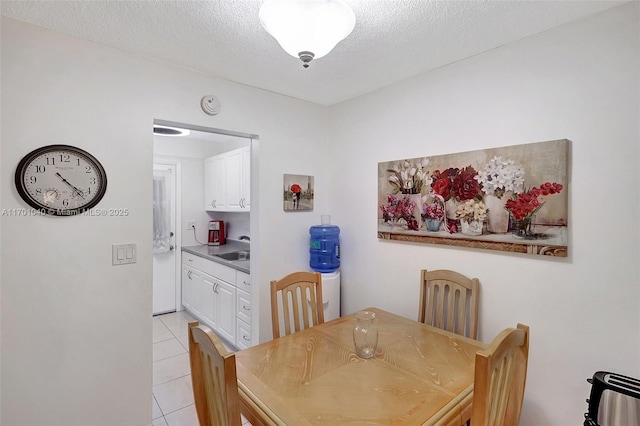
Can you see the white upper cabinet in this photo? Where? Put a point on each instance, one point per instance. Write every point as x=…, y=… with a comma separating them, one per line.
x=234, y=180
x=246, y=177
x=215, y=183
x=227, y=181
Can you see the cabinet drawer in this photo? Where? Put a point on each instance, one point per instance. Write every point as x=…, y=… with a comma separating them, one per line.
x=243, y=308
x=210, y=267
x=243, y=281
x=220, y=271
x=189, y=259
x=243, y=335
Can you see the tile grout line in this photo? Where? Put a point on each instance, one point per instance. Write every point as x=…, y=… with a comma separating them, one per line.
x=186, y=350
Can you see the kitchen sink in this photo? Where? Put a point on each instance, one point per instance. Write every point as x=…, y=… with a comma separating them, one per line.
x=235, y=255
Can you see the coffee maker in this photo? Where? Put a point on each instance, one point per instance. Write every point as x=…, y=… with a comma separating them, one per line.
x=216, y=233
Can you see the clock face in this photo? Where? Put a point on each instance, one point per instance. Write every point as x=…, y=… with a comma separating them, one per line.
x=61, y=180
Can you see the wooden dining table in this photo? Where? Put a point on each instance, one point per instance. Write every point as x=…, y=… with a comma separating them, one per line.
x=420, y=375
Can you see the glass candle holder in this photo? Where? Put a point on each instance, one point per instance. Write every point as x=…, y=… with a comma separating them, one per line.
x=365, y=334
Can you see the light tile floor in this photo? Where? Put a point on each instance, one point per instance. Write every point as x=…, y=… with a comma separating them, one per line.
x=172, y=393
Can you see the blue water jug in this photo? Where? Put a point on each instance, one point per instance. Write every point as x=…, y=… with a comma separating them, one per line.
x=324, y=248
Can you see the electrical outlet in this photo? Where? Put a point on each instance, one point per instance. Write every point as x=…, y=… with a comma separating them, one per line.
x=191, y=224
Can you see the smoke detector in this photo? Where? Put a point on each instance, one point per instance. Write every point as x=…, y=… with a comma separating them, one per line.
x=210, y=105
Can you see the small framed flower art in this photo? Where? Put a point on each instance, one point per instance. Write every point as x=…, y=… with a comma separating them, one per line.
x=512, y=199
x=297, y=193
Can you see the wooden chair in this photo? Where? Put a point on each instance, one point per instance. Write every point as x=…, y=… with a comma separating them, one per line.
x=500, y=376
x=301, y=302
x=214, y=380
x=449, y=300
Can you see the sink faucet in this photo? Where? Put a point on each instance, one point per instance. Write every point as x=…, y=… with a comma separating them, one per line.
x=244, y=237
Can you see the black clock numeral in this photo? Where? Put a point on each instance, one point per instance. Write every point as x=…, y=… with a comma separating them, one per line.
x=89, y=191
x=32, y=179
x=50, y=161
x=87, y=169
x=78, y=160
x=40, y=169
x=39, y=191
x=65, y=158
x=92, y=180
x=65, y=202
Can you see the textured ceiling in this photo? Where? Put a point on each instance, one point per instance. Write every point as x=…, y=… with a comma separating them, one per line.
x=392, y=40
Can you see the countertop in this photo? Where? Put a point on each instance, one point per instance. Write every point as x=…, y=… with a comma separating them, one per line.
x=210, y=252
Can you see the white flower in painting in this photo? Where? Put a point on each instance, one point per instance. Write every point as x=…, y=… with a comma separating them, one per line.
x=409, y=178
x=472, y=210
x=500, y=176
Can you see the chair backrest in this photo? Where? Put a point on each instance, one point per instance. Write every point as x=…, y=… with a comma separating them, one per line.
x=500, y=377
x=214, y=379
x=301, y=294
x=449, y=300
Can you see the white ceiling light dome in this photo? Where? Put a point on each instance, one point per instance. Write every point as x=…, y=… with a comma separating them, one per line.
x=307, y=29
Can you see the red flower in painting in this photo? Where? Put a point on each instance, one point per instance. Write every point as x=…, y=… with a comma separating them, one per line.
x=528, y=203
x=465, y=186
x=454, y=182
x=442, y=187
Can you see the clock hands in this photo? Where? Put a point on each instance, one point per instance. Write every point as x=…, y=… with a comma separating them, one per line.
x=75, y=190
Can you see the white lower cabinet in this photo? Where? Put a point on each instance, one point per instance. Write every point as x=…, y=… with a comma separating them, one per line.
x=243, y=335
x=218, y=296
x=224, y=305
x=191, y=282
x=206, y=303
x=243, y=310
x=243, y=328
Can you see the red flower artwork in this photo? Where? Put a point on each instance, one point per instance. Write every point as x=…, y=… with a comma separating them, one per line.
x=527, y=203
x=465, y=186
x=442, y=187
x=458, y=183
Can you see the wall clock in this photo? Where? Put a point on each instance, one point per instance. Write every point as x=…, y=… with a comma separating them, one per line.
x=60, y=180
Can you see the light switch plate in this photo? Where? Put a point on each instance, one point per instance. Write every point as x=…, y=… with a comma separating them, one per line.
x=122, y=254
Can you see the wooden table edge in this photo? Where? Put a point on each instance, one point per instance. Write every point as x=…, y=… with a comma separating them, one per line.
x=253, y=411
x=455, y=412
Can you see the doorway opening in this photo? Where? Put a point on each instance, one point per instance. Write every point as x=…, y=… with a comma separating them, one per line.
x=180, y=163
x=188, y=212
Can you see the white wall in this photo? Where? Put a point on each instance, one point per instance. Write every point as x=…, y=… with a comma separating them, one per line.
x=91, y=322
x=579, y=82
x=76, y=331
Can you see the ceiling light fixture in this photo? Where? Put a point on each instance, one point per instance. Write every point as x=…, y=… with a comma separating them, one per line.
x=307, y=29
x=169, y=131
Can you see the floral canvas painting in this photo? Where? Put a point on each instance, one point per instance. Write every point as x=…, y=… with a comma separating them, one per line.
x=298, y=193
x=512, y=198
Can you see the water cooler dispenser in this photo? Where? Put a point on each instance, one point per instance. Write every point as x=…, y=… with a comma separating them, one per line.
x=324, y=257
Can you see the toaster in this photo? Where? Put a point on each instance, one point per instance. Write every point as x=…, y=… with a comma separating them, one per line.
x=614, y=400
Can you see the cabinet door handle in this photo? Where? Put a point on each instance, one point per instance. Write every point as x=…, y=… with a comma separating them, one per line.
x=246, y=283
x=215, y=288
x=189, y=272
x=245, y=338
x=246, y=308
